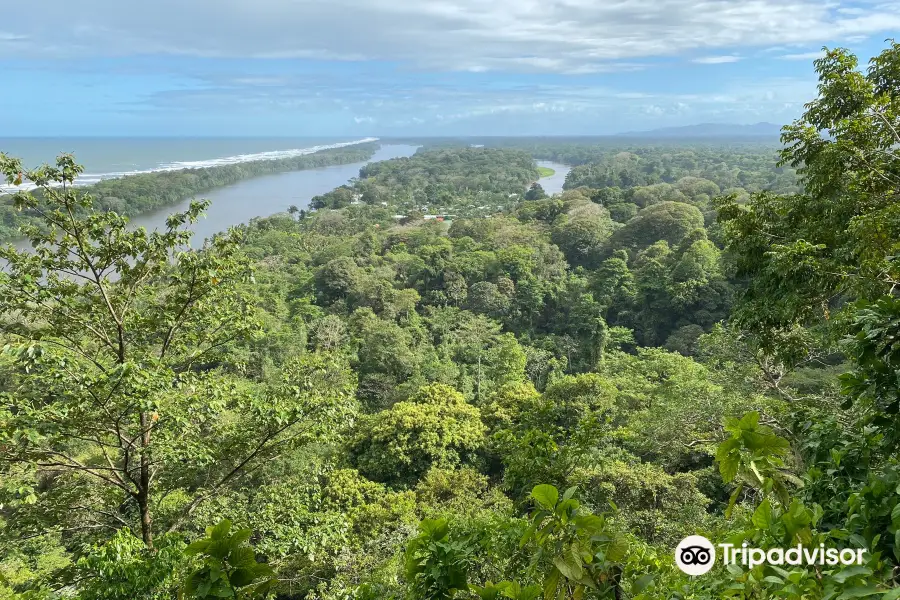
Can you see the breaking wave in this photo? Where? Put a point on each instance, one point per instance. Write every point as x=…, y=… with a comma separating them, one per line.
x=92, y=178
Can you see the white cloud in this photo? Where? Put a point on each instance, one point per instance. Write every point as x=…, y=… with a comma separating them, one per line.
x=260, y=81
x=571, y=36
x=803, y=55
x=369, y=99
x=6, y=36
x=717, y=60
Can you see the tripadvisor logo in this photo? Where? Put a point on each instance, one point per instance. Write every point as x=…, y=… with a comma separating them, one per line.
x=696, y=555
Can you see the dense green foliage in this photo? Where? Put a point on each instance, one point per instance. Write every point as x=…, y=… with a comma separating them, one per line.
x=136, y=194
x=470, y=182
x=538, y=400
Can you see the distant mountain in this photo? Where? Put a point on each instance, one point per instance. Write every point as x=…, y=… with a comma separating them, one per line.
x=710, y=130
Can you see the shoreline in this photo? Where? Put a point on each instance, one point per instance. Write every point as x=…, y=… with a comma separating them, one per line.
x=146, y=193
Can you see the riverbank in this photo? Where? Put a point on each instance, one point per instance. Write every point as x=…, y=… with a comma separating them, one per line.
x=265, y=196
x=554, y=181
x=161, y=189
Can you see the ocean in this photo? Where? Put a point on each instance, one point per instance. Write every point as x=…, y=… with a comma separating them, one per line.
x=261, y=196
x=230, y=205
x=105, y=158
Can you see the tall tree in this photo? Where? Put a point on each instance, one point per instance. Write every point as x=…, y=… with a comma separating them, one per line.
x=113, y=335
x=806, y=255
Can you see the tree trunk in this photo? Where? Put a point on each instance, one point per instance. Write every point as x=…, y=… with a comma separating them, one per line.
x=146, y=520
x=143, y=498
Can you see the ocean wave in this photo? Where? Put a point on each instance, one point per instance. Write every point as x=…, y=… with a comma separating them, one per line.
x=92, y=178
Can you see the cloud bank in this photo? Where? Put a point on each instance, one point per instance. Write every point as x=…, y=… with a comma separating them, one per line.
x=574, y=36
x=377, y=66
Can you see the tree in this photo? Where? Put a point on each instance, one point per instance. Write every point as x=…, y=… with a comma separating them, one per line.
x=661, y=388
x=654, y=194
x=436, y=565
x=571, y=399
x=695, y=187
x=535, y=192
x=580, y=549
x=805, y=255
x=623, y=211
x=386, y=355
x=668, y=221
x=582, y=238
x=230, y=568
x=329, y=333
x=608, y=196
x=485, y=297
x=339, y=278
x=114, y=335
x=436, y=427
x=476, y=334
x=821, y=265
x=123, y=568
x=613, y=285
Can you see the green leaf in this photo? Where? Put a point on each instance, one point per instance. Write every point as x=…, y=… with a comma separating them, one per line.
x=241, y=577
x=526, y=537
x=437, y=529
x=570, y=567
x=240, y=536
x=728, y=468
x=242, y=557
x=756, y=472
x=733, y=499
x=859, y=592
x=550, y=585
x=545, y=495
x=762, y=516
x=219, y=531
x=897, y=543
x=263, y=570
x=197, y=547
x=852, y=571
x=641, y=583
x=592, y=524
x=617, y=549
x=749, y=421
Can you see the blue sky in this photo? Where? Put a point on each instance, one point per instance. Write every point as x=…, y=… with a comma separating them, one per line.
x=417, y=67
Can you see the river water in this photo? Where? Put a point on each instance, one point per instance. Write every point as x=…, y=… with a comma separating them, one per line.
x=260, y=196
x=264, y=196
x=554, y=183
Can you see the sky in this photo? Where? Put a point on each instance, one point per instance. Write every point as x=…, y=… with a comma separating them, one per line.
x=416, y=67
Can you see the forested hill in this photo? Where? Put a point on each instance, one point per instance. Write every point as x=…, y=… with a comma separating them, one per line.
x=713, y=130
x=738, y=169
x=470, y=182
x=458, y=180
x=539, y=400
x=136, y=194
x=744, y=166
